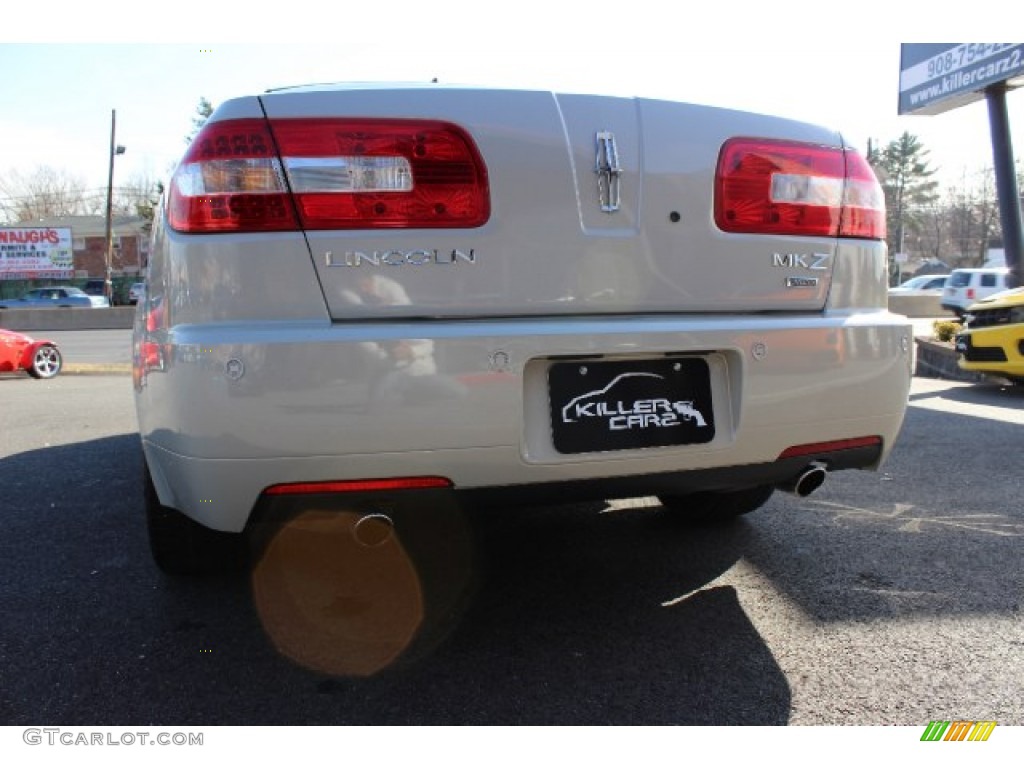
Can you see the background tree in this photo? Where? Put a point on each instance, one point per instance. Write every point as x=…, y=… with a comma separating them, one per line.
x=203, y=111
x=933, y=242
x=42, y=193
x=903, y=170
x=973, y=214
x=874, y=155
x=138, y=196
x=144, y=199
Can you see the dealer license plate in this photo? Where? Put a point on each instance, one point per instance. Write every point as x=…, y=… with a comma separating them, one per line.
x=627, y=404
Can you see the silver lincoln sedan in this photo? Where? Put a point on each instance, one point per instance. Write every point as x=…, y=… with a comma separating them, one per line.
x=363, y=294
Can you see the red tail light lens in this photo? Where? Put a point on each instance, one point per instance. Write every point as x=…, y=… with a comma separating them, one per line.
x=257, y=176
x=787, y=188
x=863, y=213
x=369, y=174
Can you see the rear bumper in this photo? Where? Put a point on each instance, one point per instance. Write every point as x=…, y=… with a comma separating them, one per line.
x=236, y=409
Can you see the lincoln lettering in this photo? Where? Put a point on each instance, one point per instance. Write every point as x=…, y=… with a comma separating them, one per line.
x=397, y=258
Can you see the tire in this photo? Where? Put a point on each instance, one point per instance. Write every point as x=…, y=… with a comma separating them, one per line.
x=716, y=507
x=46, y=362
x=182, y=547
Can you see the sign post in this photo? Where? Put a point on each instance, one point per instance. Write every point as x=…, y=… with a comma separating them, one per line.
x=115, y=149
x=1006, y=182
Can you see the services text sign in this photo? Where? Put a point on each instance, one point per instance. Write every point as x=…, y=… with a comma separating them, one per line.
x=30, y=253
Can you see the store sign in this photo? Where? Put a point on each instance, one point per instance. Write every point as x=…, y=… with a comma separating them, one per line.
x=31, y=253
x=937, y=77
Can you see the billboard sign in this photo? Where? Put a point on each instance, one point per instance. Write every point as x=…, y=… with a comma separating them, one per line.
x=937, y=77
x=31, y=253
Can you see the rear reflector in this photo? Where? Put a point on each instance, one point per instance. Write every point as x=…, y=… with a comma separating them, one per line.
x=786, y=188
x=287, y=174
x=359, y=486
x=819, y=449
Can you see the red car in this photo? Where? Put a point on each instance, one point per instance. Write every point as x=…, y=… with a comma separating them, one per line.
x=40, y=357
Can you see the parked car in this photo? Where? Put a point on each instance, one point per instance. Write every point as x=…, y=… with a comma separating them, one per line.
x=507, y=295
x=118, y=291
x=136, y=292
x=922, y=285
x=95, y=287
x=967, y=286
x=55, y=296
x=39, y=357
x=992, y=340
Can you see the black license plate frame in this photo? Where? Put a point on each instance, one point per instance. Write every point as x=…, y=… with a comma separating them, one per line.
x=620, y=405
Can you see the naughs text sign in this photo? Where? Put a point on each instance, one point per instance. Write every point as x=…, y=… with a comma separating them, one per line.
x=30, y=253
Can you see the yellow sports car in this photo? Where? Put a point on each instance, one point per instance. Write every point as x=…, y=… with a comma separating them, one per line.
x=992, y=340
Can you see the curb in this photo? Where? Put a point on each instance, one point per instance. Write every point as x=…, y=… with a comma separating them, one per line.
x=40, y=320
x=96, y=369
x=938, y=360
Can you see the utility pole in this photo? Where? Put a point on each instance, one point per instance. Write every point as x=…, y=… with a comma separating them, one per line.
x=115, y=149
x=1006, y=182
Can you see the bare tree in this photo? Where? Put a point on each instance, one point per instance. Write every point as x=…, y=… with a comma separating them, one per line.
x=933, y=242
x=137, y=191
x=45, y=192
x=973, y=215
x=138, y=196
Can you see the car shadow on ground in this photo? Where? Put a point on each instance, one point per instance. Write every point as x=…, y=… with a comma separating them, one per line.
x=568, y=615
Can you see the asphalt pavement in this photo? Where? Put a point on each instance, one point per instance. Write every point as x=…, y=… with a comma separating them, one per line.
x=92, y=351
x=885, y=598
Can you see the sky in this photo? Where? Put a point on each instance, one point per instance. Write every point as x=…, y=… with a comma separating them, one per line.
x=61, y=77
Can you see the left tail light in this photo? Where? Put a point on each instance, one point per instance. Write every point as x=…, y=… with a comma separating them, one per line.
x=255, y=176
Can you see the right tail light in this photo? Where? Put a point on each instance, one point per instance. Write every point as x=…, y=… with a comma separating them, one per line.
x=764, y=186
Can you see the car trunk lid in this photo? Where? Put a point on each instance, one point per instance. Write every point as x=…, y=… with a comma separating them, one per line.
x=589, y=205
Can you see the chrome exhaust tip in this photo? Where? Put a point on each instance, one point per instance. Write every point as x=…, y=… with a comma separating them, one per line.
x=373, y=530
x=807, y=481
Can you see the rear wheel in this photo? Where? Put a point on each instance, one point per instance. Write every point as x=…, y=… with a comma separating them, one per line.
x=46, y=362
x=715, y=507
x=181, y=546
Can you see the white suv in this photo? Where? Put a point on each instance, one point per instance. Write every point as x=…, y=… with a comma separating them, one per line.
x=363, y=294
x=966, y=286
